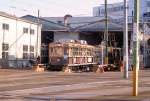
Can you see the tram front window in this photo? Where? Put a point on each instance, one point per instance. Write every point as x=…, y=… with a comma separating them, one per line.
x=56, y=51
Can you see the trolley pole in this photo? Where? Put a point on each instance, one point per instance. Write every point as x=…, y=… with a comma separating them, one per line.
x=136, y=48
x=125, y=37
x=106, y=33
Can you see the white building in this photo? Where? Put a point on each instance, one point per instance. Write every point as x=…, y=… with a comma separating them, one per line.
x=20, y=41
x=115, y=10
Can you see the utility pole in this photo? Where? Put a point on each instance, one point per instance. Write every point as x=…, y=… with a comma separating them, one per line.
x=125, y=37
x=106, y=33
x=37, y=39
x=136, y=47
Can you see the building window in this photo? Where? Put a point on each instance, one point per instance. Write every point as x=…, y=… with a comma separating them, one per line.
x=111, y=9
x=148, y=3
x=25, y=30
x=122, y=8
x=32, y=31
x=25, y=55
x=25, y=51
x=31, y=55
x=102, y=11
x=31, y=52
x=5, y=55
x=25, y=48
x=5, y=48
x=31, y=48
x=28, y=52
x=5, y=26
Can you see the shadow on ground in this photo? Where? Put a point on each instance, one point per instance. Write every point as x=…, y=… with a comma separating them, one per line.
x=67, y=99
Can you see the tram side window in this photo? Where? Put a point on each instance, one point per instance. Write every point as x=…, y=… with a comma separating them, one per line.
x=89, y=52
x=93, y=52
x=70, y=51
x=85, y=51
x=81, y=51
x=51, y=51
x=78, y=51
x=65, y=51
x=75, y=51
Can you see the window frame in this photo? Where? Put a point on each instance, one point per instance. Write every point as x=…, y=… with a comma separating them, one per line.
x=5, y=50
x=25, y=30
x=25, y=48
x=32, y=31
x=25, y=52
x=5, y=26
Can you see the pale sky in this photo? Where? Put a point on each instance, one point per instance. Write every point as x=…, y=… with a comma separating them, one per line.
x=52, y=8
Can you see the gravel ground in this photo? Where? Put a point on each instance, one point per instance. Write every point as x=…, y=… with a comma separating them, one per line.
x=28, y=85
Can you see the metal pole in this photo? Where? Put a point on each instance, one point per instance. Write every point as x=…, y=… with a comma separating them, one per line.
x=136, y=48
x=145, y=32
x=106, y=33
x=37, y=39
x=125, y=37
x=102, y=55
x=30, y=43
x=16, y=46
x=4, y=26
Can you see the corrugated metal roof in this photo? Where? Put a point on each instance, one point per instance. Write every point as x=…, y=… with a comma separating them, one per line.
x=3, y=14
x=89, y=23
x=46, y=24
x=79, y=24
x=74, y=21
x=100, y=26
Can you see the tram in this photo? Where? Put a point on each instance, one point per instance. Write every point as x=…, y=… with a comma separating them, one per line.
x=77, y=54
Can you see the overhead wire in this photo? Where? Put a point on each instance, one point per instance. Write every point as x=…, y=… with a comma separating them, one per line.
x=30, y=5
x=40, y=5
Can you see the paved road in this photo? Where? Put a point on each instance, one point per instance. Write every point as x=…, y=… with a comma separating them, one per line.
x=27, y=85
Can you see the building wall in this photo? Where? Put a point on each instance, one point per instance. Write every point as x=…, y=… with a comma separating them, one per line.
x=15, y=38
x=116, y=10
x=65, y=36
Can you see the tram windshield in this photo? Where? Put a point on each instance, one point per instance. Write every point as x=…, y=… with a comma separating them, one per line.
x=56, y=51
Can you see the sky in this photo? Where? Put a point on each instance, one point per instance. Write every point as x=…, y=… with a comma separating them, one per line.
x=51, y=8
